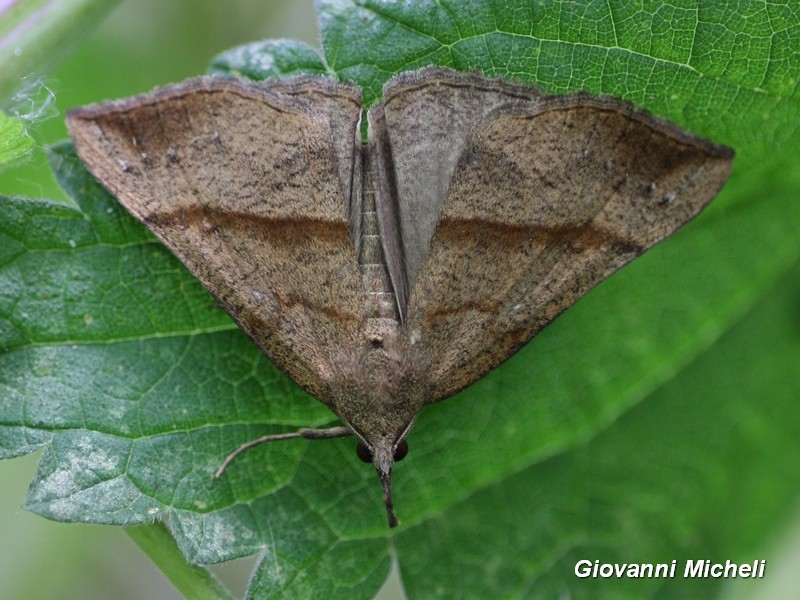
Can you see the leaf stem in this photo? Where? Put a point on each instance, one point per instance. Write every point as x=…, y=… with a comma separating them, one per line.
x=194, y=582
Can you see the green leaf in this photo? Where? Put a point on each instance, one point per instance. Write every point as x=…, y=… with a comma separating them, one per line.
x=704, y=467
x=15, y=143
x=270, y=58
x=655, y=420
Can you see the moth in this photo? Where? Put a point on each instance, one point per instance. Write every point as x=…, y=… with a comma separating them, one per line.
x=386, y=275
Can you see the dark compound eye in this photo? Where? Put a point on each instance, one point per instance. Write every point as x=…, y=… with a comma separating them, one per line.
x=364, y=454
x=402, y=450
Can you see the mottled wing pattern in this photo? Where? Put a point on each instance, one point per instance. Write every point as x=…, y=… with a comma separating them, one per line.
x=548, y=196
x=249, y=185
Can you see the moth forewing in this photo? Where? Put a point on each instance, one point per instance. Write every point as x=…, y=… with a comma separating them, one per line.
x=247, y=185
x=549, y=195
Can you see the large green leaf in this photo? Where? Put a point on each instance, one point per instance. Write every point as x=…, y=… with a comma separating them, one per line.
x=649, y=423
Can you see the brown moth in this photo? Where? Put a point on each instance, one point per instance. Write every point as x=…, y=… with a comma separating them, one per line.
x=388, y=275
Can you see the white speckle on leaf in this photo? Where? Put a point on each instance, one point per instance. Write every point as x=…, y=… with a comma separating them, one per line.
x=222, y=533
x=117, y=413
x=81, y=466
x=266, y=62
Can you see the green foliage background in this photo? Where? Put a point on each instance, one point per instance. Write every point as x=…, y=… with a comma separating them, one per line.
x=655, y=420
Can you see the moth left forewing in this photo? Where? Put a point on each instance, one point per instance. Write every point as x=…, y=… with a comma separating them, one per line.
x=248, y=184
x=544, y=203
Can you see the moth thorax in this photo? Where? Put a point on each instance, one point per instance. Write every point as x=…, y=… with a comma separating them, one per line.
x=380, y=391
x=380, y=412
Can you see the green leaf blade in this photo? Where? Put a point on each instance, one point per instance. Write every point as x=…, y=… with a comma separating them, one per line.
x=270, y=58
x=638, y=492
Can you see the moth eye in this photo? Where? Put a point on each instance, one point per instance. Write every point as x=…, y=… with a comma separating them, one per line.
x=402, y=450
x=363, y=452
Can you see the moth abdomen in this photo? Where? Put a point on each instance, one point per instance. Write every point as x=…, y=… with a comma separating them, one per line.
x=380, y=300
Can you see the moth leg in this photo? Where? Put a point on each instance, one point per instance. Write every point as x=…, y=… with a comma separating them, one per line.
x=309, y=434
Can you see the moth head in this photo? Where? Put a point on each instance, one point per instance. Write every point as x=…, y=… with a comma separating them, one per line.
x=381, y=427
x=378, y=396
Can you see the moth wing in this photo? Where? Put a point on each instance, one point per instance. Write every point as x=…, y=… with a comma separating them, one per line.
x=419, y=133
x=249, y=185
x=548, y=196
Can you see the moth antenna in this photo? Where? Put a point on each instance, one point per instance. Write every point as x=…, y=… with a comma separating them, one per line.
x=309, y=434
x=386, y=481
x=383, y=459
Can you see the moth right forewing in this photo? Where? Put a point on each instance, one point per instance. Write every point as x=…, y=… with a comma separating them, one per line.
x=543, y=204
x=249, y=185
